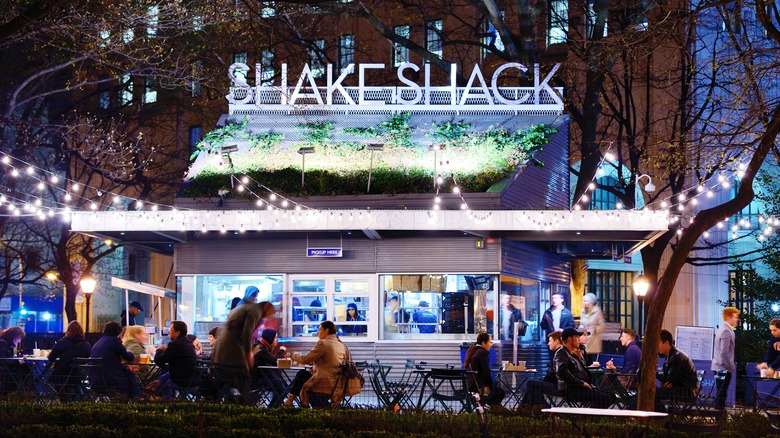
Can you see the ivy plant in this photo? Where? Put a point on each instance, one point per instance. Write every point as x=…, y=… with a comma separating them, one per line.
x=317, y=133
x=393, y=131
x=214, y=141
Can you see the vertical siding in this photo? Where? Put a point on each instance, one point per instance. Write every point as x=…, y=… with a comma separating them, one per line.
x=533, y=263
x=543, y=187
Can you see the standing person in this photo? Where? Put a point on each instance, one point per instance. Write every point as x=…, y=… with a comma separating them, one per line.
x=557, y=318
x=135, y=309
x=327, y=356
x=723, y=360
x=509, y=316
x=232, y=358
x=395, y=317
x=250, y=295
x=179, y=357
x=426, y=320
x=352, y=315
x=573, y=376
x=679, y=382
x=478, y=360
x=110, y=351
x=592, y=321
x=771, y=361
x=61, y=358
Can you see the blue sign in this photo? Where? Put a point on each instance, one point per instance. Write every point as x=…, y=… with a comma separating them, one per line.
x=323, y=252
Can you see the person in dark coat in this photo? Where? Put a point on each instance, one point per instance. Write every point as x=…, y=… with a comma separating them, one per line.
x=679, y=382
x=61, y=357
x=573, y=376
x=537, y=389
x=135, y=309
x=268, y=351
x=11, y=371
x=178, y=357
x=115, y=376
x=352, y=315
x=477, y=360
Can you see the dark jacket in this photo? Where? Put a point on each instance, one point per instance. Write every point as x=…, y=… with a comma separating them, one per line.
x=479, y=363
x=567, y=320
x=124, y=319
x=354, y=329
x=569, y=369
x=679, y=371
x=180, y=358
x=631, y=358
x=772, y=356
x=6, y=350
x=551, y=376
x=67, y=349
x=264, y=357
x=111, y=350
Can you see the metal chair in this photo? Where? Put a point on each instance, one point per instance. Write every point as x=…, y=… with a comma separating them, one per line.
x=389, y=398
x=449, y=388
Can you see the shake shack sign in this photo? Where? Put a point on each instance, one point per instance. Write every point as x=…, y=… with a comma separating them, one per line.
x=328, y=89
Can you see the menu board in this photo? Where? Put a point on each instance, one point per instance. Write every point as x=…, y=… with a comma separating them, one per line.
x=697, y=342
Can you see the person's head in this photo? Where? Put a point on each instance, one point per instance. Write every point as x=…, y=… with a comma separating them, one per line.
x=178, y=329
x=270, y=337
x=296, y=301
x=423, y=305
x=137, y=332
x=627, y=336
x=665, y=342
x=392, y=302
x=731, y=316
x=506, y=300
x=268, y=309
x=352, y=312
x=13, y=335
x=557, y=300
x=571, y=339
x=554, y=340
x=589, y=300
x=774, y=327
x=195, y=343
x=74, y=330
x=584, y=337
x=213, y=333
x=485, y=340
x=326, y=328
x=135, y=308
x=250, y=294
x=112, y=328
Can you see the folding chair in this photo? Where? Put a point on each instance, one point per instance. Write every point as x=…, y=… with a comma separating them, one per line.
x=389, y=398
x=93, y=384
x=193, y=392
x=449, y=388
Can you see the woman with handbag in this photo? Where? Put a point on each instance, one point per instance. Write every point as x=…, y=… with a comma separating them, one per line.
x=477, y=360
x=327, y=356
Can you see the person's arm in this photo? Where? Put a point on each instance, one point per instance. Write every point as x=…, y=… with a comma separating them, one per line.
x=318, y=351
x=562, y=369
x=631, y=360
x=123, y=352
x=483, y=368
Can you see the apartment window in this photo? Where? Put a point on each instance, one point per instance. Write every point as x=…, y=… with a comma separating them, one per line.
x=346, y=51
x=266, y=66
x=614, y=290
x=150, y=91
x=590, y=21
x=197, y=23
x=557, y=22
x=152, y=20
x=269, y=10
x=741, y=283
x=492, y=38
x=104, y=100
x=400, y=51
x=240, y=57
x=105, y=35
x=197, y=86
x=316, y=55
x=433, y=30
x=128, y=35
x=747, y=218
x=126, y=89
x=196, y=135
x=603, y=199
x=638, y=17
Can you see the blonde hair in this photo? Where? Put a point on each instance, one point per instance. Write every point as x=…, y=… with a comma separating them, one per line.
x=132, y=332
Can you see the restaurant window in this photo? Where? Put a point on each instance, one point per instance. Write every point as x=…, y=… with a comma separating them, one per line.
x=400, y=51
x=604, y=199
x=206, y=300
x=433, y=30
x=519, y=302
x=342, y=299
x=741, y=285
x=615, y=294
x=346, y=51
x=557, y=21
x=438, y=306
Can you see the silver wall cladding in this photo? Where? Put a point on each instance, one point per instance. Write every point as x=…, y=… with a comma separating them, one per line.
x=543, y=187
x=397, y=255
x=533, y=263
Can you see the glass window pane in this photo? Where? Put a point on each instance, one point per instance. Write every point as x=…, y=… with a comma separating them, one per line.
x=352, y=286
x=351, y=315
x=519, y=302
x=307, y=311
x=308, y=285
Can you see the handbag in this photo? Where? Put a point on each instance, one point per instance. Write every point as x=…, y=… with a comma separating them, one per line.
x=353, y=379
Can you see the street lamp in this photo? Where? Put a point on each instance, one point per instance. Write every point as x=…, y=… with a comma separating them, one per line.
x=641, y=285
x=649, y=188
x=304, y=151
x=373, y=147
x=88, y=284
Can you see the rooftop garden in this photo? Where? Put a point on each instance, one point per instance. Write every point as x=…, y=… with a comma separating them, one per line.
x=474, y=160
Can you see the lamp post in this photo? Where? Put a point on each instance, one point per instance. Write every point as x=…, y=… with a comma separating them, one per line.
x=304, y=151
x=641, y=285
x=88, y=284
x=649, y=188
x=373, y=147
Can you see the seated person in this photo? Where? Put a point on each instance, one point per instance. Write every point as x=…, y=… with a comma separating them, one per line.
x=352, y=315
x=179, y=357
x=583, y=344
x=327, y=356
x=111, y=352
x=537, y=389
x=268, y=351
x=135, y=339
x=632, y=354
x=61, y=358
x=425, y=319
x=477, y=360
x=679, y=382
x=11, y=371
x=573, y=376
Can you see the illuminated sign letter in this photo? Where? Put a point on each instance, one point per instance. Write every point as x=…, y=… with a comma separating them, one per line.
x=362, y=84
x=494, y=84
x=315, y=94
x=332, y=86
x=477, y=73
x=412, y=85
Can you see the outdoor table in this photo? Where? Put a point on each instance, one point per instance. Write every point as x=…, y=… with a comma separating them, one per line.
x=267, y=373
x=39, y=374
x=576, y=413
x=514, y=383
x=762, y=400
x=11, y=377
x=424, y=375
x=144, y=379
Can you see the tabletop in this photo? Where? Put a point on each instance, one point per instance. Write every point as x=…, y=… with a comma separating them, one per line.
x=594, y=412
